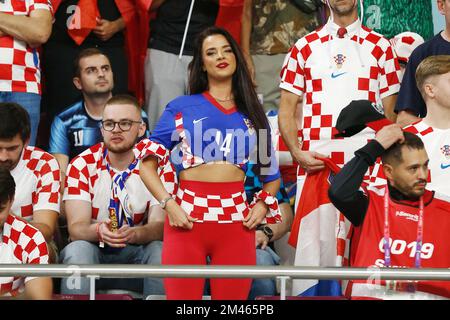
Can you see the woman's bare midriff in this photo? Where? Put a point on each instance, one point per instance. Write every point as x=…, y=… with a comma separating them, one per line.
x=213, y=172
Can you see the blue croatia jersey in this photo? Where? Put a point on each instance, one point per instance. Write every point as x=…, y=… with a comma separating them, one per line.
x=206, y=132
x=74, y=130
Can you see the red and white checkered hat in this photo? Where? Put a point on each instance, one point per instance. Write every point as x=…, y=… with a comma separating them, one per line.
x=404, y=44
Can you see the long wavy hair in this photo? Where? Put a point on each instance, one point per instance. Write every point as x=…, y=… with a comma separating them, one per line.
x=244, y=93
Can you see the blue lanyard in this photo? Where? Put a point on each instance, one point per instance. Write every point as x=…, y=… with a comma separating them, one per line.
x=119, y=201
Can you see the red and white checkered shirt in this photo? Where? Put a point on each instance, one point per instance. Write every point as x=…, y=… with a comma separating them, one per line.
x=37, y=178
x=213, y=207
x=89, y=180
x=437, y=145
x=19, y=63
x=329, y=73
x=21, y=243
x=282, y=153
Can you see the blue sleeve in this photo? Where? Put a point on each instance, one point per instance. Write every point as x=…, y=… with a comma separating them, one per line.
x=145, y=119
x=409, y=97
x=165, y=131
x=59, y=142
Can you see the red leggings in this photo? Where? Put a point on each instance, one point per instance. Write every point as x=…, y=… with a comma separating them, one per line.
x=224, y=243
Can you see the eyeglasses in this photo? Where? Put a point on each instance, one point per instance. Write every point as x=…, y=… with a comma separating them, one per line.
x=124, y=125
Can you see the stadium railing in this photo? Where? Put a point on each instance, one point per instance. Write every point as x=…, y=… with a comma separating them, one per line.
x=283, y=273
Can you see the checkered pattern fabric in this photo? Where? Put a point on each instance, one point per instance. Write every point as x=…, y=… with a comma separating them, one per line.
x=147, y=147
x=19, y=63
x=274, y=214
x=89, y=180
x=166, y=170
x=329, y=73
x=21, y=244
x=213, y=207
x=437, y=144
x=189, y=160
x=37, y=178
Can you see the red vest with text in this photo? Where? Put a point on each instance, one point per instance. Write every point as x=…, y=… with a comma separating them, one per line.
x=403, y=220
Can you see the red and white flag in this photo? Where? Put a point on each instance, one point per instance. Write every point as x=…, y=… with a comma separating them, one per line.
x=319, y=233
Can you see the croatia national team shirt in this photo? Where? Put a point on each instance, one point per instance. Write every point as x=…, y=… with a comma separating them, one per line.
x=437, y=145
x=207, y=132
x=20, y=70
x=403, y=220
x=283, y=155
x=37, y=178
x=330, y=72
x=21, y=243
x=88, y=179
x=74, y=130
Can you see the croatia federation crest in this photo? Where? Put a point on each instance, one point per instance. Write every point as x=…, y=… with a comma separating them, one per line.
x=339, y=59
x=446, y=151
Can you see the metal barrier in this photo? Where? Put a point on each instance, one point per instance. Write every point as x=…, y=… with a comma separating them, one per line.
x=282, y=272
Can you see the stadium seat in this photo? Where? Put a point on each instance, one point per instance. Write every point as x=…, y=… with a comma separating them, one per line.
x=163, y=297
x=97, y=297
x=364, y=298
x=300, y=298
x=133, y=294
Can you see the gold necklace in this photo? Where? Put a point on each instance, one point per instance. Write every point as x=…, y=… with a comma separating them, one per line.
x=221, y=100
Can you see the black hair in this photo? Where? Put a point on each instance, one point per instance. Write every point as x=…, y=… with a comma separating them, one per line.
x=14, y=120
x=7, y=186
x=244, y=93
x=394, y=153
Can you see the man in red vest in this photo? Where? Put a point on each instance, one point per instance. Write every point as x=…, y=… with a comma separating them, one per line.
x=402, y=224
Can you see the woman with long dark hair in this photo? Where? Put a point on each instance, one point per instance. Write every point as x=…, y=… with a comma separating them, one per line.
x=217, y=129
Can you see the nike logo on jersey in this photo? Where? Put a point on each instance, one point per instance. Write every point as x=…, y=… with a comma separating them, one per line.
x=443, y=166
x=198, y=120
x=334, y=76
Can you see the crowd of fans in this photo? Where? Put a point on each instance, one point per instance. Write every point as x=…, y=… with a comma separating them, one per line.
x=233, y=109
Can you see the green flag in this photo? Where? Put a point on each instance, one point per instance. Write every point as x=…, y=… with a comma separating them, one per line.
x=391, y=17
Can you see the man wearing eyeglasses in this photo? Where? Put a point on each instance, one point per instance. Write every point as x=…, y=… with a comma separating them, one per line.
x=111, y=215
x=78, y=127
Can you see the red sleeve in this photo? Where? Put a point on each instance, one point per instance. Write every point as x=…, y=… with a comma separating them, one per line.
x=229, y=17
x=128, y=11
x=136, y=17
x=55, y=5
